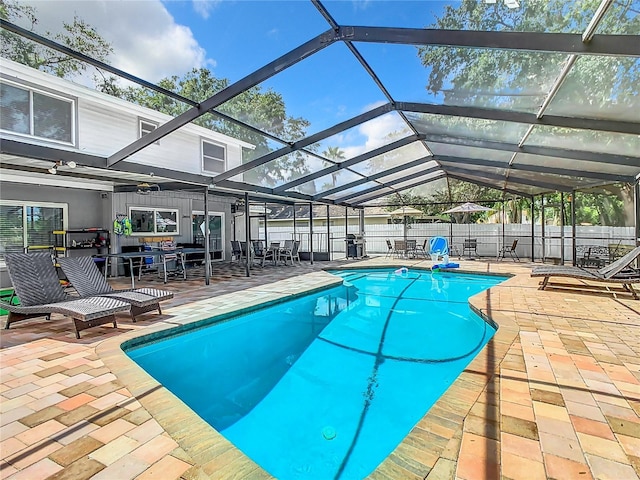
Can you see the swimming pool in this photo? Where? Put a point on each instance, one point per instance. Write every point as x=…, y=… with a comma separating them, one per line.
x=326, y=385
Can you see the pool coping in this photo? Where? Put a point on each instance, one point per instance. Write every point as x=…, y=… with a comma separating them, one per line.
x=430, y=448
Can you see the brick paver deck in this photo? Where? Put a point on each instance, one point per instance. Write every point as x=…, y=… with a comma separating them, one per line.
x=555, y=393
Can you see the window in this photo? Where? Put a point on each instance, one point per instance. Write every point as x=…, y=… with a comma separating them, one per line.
x=30, y=112
x=147, y=127
x=29, y=224
x=213, y=157
x=153, y=221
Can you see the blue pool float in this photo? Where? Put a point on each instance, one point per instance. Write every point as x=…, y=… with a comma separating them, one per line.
x=438, y=266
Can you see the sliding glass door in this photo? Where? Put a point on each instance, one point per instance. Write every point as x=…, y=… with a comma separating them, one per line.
x=216, y=232
x=29, y=224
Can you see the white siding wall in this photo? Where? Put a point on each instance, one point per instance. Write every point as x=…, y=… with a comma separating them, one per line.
x=106, y=124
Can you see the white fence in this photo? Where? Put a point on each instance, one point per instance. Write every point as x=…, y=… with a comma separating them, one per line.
x=489, y=237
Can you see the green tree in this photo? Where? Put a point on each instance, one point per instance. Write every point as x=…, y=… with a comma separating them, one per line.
x=263, y=109
x=337, y=155
x=607, y=206
x=517, y=80
x=78, y=36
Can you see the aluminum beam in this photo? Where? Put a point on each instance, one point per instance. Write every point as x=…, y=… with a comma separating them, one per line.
x=282, y=63
x=347, y=163
x=164, y=187
x=11, y=167
x=489, y=185
x=184, y=177
x=264, y=134
x=91, y=61
x=401, y=190
x=246, y=187
x=587, y=156
x=520, y=117
x=389, y=184
x=375, y=176
x=357, y=120
x=41, y=152
x=619, y=45
x=535, y=168
x=256, y=198
x=521, y=181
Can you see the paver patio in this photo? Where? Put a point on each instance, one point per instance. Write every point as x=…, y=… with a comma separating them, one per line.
x=555, y=394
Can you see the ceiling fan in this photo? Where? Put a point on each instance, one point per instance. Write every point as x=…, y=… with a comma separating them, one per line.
x=146, y=188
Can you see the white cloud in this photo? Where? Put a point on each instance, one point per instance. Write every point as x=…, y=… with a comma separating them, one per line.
x=375, y=133
x=204, y=7
x=146, y=40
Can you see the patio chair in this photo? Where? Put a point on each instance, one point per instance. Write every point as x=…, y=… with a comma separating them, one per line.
x=410, y=247
x=470, y=245
x=511, y=250
x=422, y=249
x=399, y=248
x=619, y=271
x=262, y=254
x=36, y=283
x=236, y=250
x=86, y=278
x=390, y=249
x=290, y=254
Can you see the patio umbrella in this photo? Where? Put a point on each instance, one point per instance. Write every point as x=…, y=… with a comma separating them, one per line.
x=405, y=212
x=468, y=208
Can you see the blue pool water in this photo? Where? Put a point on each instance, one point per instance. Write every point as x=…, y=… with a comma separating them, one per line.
x=325, y=386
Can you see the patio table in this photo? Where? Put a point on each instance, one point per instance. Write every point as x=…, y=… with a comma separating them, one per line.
x=131, y=256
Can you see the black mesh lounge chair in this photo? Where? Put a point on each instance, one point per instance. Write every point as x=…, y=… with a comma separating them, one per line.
x=36, y=283
x=619, y=271
x=86, y=278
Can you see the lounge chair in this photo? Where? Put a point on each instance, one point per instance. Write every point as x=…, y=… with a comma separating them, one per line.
x=35, y=281
x=86, y=278
x=619, y=271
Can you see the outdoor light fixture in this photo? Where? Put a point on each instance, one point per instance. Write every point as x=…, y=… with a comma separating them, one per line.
x=54, y=168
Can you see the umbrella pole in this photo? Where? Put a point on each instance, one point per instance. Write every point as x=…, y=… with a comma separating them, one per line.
x=404, y=228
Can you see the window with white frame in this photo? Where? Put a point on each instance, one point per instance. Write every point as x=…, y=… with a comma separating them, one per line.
x=153, y=221
x=29, y=224
x=214, y=157
x=26, y=111
x=146, y=127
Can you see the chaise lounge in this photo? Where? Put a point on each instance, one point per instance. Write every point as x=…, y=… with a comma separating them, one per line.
x=619, y=271
x=86, y=278
x=36, y=283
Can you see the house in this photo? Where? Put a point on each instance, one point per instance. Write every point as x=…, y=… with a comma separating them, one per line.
x=39, y=196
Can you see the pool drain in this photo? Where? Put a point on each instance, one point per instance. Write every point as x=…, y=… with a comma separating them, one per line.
x=329, y=433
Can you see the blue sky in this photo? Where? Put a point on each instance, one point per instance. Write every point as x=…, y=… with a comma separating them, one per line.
x=153, y=39
x=242, y=36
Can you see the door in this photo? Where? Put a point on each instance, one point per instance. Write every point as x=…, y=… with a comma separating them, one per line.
x=216, y=231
